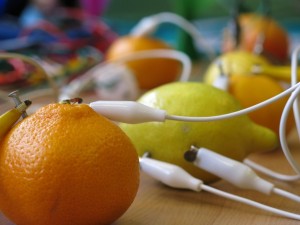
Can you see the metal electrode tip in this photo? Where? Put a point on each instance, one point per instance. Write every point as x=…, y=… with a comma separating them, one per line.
x=191, y=154
x=15, y=95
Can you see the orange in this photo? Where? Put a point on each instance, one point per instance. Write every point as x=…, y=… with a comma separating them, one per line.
x=150, y=72
x=253, y=89
x=252, y=27
x=67, y=165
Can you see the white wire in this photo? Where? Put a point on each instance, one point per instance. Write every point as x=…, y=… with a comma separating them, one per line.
x=286, y=194
x=250, y=202
x=292, y=102
x=271, y=173
x=167, y=17
x=282, y=131
x=294, y=78
x=176, y=177
x=161, y=53
x=77, y=85
x=294, y=90
x=236, y=113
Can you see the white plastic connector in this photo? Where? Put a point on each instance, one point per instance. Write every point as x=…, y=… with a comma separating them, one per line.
x=176, y=177
x=221, y=82
x=128, y=111
x=232, y=171
x=170, y=174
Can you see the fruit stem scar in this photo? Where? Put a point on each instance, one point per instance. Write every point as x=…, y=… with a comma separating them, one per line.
x=71, y=101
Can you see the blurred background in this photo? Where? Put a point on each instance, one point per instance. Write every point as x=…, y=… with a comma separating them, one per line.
x=65, y=39
x=210, y=16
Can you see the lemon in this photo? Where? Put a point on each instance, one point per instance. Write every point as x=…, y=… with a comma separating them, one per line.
x=236, y=137
x=235, y=62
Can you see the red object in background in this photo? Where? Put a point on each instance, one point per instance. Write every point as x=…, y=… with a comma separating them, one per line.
x=94, y=7
x=15, y=73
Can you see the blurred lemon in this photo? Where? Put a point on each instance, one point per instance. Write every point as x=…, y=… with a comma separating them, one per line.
x=253, y=89
x=235, y=62
x=66, y=164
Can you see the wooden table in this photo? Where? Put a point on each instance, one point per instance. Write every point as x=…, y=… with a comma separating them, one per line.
x=157, y=204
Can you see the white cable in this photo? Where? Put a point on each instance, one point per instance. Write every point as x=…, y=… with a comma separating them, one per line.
x=286, y=194
x=128, y=111
x=149, y=24
x=114, y=111
x=77, y=85
x=271, y=173
x=236, y=113
x=176, y=177
x=161, y=53
x=294, y=89
x=250, y=202
x=292, y=102
x=282, y=131
x=235, y=172
x=294, y=81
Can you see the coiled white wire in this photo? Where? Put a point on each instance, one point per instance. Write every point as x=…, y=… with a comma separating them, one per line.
x=77, y=85
x=149, y=25
x=292, y=102
x=294, y=90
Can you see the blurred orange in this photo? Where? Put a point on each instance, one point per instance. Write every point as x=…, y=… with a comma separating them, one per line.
x=253, y=89
x=150, y=72
x=67, y=165
x=253, y=27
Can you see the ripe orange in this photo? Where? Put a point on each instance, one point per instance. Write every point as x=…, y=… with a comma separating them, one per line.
x=252, y=27
x=253, y=89
x=150, y=72
x=67, y=165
